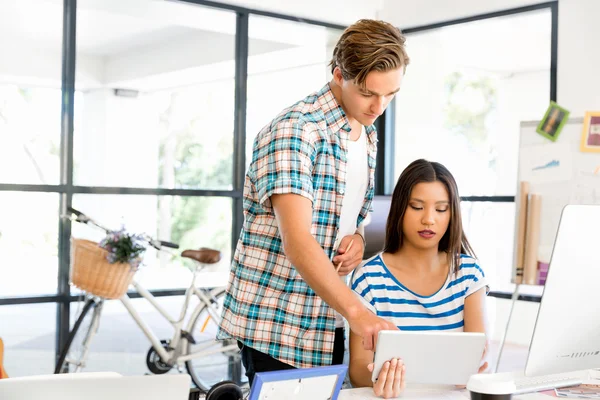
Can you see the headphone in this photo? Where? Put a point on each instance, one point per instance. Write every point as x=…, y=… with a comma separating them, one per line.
x=225, y=390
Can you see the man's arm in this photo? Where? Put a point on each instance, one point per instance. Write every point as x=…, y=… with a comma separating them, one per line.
x=294, y=219
x=359, y=359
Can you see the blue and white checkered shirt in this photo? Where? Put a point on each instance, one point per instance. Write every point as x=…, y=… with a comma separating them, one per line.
x=268, y=306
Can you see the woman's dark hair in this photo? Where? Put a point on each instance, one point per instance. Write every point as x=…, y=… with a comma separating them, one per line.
x=454, y=242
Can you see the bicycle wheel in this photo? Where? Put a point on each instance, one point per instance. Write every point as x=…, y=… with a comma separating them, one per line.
x=222, y=360
x=73, y=357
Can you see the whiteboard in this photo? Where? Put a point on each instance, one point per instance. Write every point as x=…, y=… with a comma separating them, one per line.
x=560, y=173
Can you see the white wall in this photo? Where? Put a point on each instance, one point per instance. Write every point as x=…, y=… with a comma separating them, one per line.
x=578, y=85
x=578, y=56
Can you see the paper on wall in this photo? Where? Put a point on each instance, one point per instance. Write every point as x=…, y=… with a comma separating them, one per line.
x=547, y=163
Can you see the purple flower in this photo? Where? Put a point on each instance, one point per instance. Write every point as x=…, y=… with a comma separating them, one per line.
x=124, y=247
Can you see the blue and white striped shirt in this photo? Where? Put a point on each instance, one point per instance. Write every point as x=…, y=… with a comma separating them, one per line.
x=387, y=297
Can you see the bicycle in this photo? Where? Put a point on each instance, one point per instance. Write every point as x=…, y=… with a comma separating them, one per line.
x=206, y=359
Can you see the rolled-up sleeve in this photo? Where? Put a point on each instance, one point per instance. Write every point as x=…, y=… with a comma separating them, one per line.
x=284, y=162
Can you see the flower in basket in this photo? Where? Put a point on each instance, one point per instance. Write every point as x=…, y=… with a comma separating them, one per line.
x=124, y=247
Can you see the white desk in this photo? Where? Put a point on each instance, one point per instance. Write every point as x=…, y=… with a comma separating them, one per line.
x=410, y=393
x=445, y=392
x=429, y=393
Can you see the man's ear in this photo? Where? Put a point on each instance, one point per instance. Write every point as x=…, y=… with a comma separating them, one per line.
x=337, y=76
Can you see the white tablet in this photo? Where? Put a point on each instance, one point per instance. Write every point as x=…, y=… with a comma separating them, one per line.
x=432, y=357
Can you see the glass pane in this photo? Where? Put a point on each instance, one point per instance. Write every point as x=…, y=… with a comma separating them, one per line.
x=155, y=95
x=120, y=345
x=30, y=99
x=28, y=243
x=490, y=228
x=283, y=68
x=191, y=222
x=29, y=336
x=466, y=90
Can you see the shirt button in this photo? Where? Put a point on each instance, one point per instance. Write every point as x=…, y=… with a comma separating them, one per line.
x=341, y=191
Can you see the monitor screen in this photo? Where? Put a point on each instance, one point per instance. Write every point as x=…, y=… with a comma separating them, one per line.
x=566, y=337
x=375, y=228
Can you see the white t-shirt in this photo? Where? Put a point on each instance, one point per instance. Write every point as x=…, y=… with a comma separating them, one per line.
x=357, y=181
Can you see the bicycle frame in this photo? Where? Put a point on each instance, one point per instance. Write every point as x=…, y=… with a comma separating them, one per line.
x=177, y=352
x=174, y=356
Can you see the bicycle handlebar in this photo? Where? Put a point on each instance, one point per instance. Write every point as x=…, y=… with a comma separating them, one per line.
x=157, y=244
x=74, y=211
x=169, y=244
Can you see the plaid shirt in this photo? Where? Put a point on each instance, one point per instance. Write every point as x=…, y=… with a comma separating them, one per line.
x=268, y=306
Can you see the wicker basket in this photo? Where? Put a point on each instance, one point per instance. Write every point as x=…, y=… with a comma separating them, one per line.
x=92, y=273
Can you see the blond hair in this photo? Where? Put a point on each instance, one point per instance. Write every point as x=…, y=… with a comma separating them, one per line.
x=369, y=45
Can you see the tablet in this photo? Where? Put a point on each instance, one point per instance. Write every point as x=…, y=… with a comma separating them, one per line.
x=431, y=357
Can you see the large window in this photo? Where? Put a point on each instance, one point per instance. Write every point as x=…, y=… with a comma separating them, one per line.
x=283, y=68
x=154, y=109
x=29, y=132
x=467, y=88
x=136, y=126
x=30, y=38
x=120, y=345
x=29, y=335
x=28, y=243
x=190, y=221
x=145, y=116
x=30, y=103
x=154, y=106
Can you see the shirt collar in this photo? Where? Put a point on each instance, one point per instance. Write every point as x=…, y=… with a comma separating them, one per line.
x=335, y=117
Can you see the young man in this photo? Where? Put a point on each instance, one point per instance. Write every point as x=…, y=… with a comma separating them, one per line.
x=307, y=192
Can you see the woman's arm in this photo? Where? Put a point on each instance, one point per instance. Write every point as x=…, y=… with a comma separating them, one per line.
x=476, y=318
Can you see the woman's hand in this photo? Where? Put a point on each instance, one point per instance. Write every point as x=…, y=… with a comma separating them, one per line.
x=390, y=382
x=482, y=368
x=484, y=364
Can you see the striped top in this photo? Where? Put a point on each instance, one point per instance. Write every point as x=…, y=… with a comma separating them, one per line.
x=268, y=306
x=383, y=294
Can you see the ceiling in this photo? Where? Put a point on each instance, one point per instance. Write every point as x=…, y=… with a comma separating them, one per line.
x=148, y=37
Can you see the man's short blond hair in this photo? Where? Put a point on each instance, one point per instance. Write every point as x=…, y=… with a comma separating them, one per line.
x=369, y=45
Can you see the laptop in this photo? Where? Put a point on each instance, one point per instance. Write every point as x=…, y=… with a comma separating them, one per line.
x=96, y=386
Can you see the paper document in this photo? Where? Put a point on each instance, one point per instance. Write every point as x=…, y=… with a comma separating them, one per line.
x=587, y=390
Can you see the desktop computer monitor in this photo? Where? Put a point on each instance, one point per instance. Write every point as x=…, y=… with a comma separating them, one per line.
x=375, y=225
x=566, y=337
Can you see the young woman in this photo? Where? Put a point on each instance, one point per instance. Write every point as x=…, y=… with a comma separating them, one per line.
x=426, y=278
